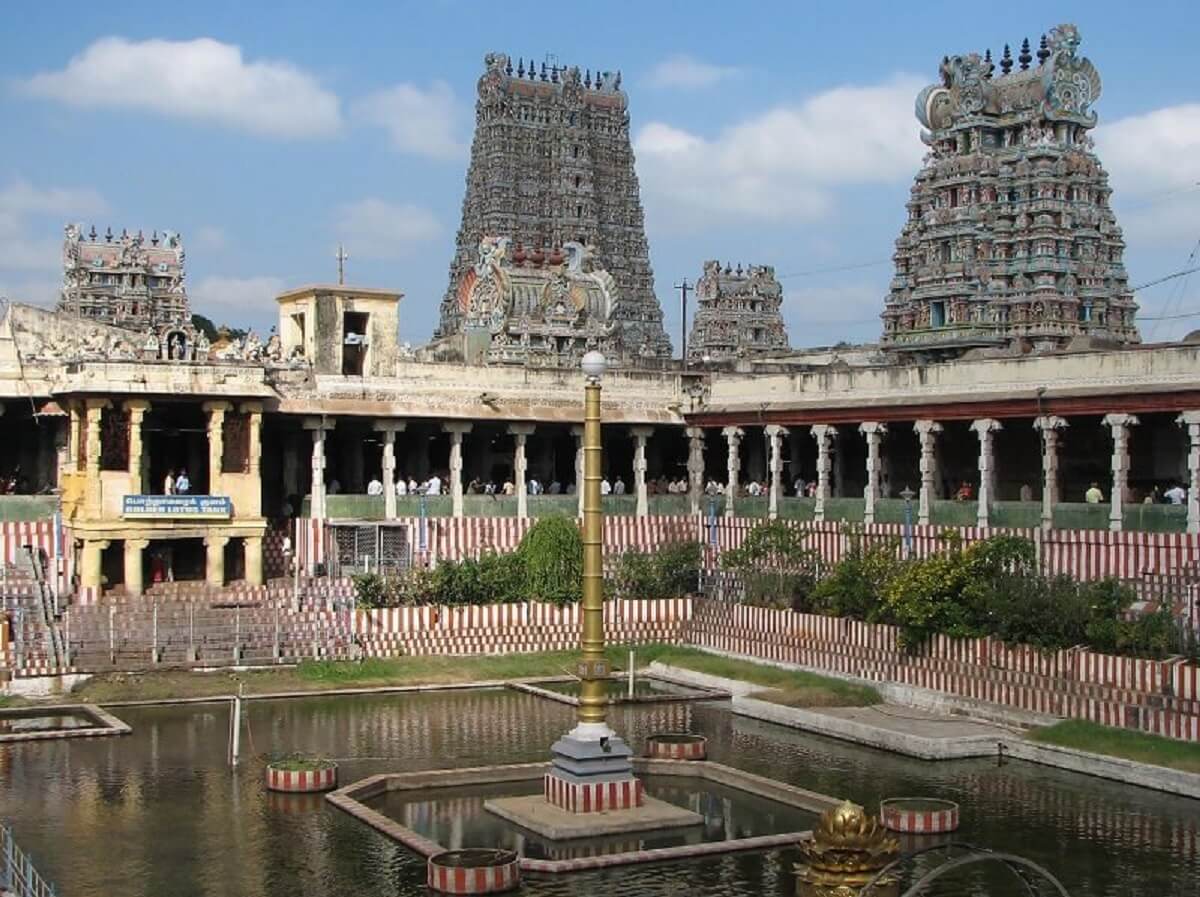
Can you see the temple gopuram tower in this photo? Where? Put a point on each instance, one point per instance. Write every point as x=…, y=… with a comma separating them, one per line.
x=738, y=313
x=551, y=164
x=127, y=281
x=1010, y=237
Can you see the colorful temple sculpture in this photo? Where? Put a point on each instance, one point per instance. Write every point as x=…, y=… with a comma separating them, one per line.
x=1010, y=238
x=738, y=314
x=127, y=281
x=552, y=164
x=539, y=307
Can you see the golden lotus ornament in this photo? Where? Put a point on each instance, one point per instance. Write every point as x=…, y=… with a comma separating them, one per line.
x=847, y=850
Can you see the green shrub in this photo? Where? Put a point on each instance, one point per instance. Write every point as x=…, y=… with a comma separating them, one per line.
x=776, y=566
x=551, y=555
x=856, y=585
x=370, y=590
x=672, y=571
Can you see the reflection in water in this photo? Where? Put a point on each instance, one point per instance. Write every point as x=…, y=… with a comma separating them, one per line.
x=618, y=689
x=159, y=812
x=456, y=818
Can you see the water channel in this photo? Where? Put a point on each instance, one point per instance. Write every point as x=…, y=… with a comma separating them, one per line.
x=158, y=812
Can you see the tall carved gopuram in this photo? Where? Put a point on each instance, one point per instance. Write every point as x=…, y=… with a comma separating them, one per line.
x=1010, y=236
x=552, y=164
x=738, y=314
x=129, y=281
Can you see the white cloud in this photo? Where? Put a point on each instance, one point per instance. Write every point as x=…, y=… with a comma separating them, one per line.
x=688, y=72
x=1153, y=161
x=31, y=222
x=246, y=295
x=30, y=290
x=784, y=164
x=200, y=79
x=374, y=228
x=418, y=121
x=208, y=238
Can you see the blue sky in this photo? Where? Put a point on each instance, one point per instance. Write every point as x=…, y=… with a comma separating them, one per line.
x=775, y=133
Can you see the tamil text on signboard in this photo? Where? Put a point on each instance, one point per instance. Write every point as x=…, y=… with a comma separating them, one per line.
x=202, y=506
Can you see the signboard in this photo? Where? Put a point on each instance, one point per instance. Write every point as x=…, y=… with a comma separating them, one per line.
x=178, y=506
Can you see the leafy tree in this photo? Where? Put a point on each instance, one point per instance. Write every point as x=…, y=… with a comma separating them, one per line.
x=776, y=566
x=552, y=557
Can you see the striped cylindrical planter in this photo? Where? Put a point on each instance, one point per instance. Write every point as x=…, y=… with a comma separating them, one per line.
x=676, y=746
x=473, y=871
x=322, y=777
x=919, y=815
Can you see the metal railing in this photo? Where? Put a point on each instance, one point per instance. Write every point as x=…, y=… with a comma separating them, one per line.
x=18, y=875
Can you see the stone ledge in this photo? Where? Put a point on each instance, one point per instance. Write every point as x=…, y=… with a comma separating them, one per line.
x=534, y=813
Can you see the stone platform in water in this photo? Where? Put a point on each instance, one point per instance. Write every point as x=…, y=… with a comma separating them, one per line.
x=535, y=813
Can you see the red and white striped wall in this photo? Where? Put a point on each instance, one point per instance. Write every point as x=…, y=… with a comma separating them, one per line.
x=446, y=878
x=304, y=781
x=592, y=797
x=918, y=816
x=47, y=536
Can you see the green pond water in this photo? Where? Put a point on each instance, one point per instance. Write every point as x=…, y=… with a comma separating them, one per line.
x=618, y=688
x=158, y=813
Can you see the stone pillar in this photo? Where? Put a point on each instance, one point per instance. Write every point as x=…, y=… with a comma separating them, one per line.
x=90, y=567
x=1120, y=424
x=775, y=434
x=214, y=567
x=695, y=468
x=874, y=432
x=456, y=429
x=254, y=560
x=837, y=467
x=253, y=412
x=389, y=429
x=1190, y=420
x=216, y=443
x=93, y=488
x=927, y=431
x=73, y=429
x=318, y=426
x=137, y=473
x=520, y=433
x=577, y=432
x=640, y=435
x=134, y=581
x=733, y=467
x=1049, y=425
x=984, y=428
x=825, y=434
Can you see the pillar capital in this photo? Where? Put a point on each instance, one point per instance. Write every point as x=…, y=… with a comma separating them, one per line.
x=96, y=404
x=732, y=433
x=1049, y=422
x=323, y=422
x=1188, y=418
x=522, y=429
x=390, y=425
x=458, y=426
x=694, y=432
x=926, y=428
x=577, y=430
x=986, y=425
x=1120, y=420
x=872, y=428
x=137, y=544
x=775, y=430
x=216, y=541
x=821, y=432
x=217, y=407
x=136, y=407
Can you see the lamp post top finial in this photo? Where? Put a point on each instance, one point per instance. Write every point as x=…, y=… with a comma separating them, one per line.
x=594, y=365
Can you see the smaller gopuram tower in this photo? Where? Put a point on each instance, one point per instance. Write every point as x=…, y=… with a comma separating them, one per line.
x=128, y=281
x=1010, y=235
x=738, y=313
